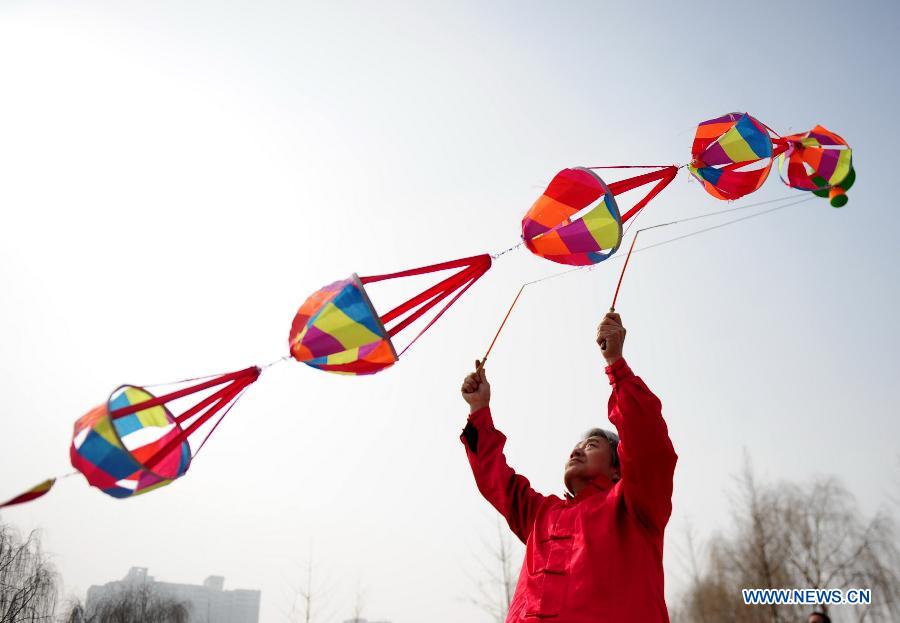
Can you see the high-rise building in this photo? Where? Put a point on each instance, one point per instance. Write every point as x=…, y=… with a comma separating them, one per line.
x=208, y=603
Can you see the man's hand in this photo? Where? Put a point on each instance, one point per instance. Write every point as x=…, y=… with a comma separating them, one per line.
x=476, y=390
x=611, y=337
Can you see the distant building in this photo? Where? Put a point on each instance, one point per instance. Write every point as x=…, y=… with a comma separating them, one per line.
x=209, y=603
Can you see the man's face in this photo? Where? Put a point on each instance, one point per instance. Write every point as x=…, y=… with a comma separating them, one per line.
x=589, y=459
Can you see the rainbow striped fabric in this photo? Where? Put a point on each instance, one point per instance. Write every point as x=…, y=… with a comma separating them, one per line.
x=111, y=452
x=817, y=153
x=337, y=330
x=731, y=155
x=576, y=221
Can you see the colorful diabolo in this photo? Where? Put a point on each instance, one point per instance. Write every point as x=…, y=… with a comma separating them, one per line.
x=731, y=155
x=120, y=456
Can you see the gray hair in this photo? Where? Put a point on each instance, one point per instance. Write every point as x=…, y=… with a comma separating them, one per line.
x=611, y=438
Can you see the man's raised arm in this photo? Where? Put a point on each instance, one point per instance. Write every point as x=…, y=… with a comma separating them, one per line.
x=646, y=454
x=507, y=491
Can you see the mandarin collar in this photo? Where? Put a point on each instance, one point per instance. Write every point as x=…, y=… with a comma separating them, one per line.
x=597, y=485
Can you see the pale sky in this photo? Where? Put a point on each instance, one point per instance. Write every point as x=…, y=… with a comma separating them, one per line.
x=176, y=178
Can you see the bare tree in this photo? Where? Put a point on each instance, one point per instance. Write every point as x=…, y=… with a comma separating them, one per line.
x=894, y=495
x=791, y=536
x=496, y=585
x=310, y=601
x=28, y=589
x=134, y=603
x=358, y=604
x=75, y=613
x=705, y=595
x=306, y=593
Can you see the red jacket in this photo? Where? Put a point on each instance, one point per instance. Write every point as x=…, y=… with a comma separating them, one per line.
x=595, y=558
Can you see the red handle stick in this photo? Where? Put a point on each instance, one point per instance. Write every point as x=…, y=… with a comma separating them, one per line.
x=612, y=307
x=497, y=334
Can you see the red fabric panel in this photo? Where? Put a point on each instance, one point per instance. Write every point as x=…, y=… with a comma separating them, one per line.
x=574, y=188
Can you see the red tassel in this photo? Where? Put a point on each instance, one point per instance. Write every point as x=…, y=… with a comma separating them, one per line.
x=234, y=383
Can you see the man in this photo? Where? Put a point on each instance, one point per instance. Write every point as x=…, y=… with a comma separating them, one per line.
x=596, y=554
x=818, y=617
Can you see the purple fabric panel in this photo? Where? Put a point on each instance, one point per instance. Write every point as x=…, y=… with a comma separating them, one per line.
x=368, y=348
x=828, y=163
x=147, y=479
x=732, y=116
x=824, y=139
x=577, y=238
x=714, y=155
x=337, y=286
x=532, y=228
x=321, y=344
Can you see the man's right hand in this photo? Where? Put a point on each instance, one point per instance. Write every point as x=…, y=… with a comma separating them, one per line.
x=476, y=390
x=611, y=337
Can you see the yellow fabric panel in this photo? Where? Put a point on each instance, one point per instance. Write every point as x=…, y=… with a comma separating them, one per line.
x=161, y=483
x=347, y=356
x=154, y=416
x=344, y=329
x=809, y=142
x=603, y=226
x=736, y=147
x=842, y=169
